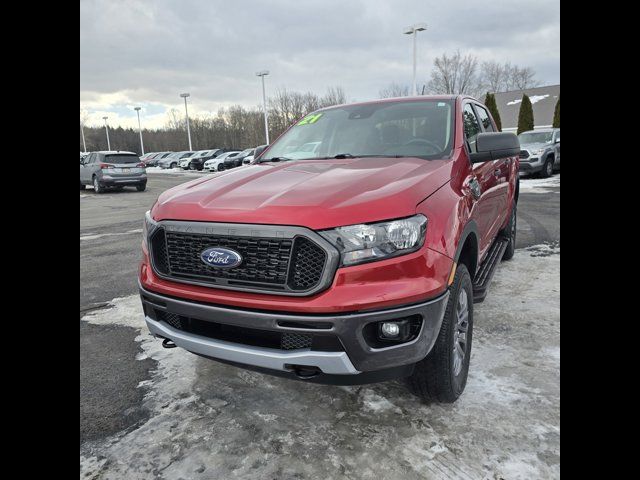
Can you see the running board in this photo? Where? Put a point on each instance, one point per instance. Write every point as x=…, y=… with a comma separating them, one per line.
x=487, y=269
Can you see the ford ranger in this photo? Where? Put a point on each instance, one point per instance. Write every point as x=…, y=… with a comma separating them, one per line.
x=353, y=262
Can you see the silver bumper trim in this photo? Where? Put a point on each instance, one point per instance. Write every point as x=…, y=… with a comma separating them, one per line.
x=336, y=363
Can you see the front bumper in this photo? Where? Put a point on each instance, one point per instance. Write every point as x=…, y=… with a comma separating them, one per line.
x=356, y=357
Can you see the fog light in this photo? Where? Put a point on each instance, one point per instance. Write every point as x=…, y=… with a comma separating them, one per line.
x=390, y=329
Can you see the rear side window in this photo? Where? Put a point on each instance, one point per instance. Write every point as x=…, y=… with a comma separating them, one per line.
x=122, y=159
x=471, y=127
x=484, y=119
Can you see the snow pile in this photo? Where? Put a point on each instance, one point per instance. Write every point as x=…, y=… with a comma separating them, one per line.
x=539, y=185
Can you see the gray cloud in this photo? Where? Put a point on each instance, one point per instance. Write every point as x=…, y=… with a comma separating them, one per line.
x=149, y=51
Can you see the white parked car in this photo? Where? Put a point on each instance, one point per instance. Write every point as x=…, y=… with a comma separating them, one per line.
x=217, y=164
x=247, y=160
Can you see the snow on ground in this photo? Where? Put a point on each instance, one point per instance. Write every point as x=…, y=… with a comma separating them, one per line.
x=173, y=171
x=211, y=420
x=93, y=237
x=539, y=185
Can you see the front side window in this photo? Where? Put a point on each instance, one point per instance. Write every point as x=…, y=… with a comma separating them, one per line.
x=484, y=119
x=471, y=127
x=388, y=129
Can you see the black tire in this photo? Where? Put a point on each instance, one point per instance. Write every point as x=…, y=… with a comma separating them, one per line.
x=434, y=379
x=220, y=168
x=96, y=186
x=510, y=233
x=547, y=169
x=82, y=186
x=173, y=165
x=142, y=187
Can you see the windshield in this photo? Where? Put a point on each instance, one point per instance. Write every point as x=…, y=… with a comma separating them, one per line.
x=417, y=129
x=122, y=159
x=535, y=137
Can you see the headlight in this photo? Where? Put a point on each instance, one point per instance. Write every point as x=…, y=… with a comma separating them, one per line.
x=540, y=151
x=365, y=243
x=148, y=226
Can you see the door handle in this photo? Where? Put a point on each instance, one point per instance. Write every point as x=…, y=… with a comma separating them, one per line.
x=474, y=188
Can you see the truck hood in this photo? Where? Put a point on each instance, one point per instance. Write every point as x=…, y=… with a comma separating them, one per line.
x=313, y=193
x=534, y=146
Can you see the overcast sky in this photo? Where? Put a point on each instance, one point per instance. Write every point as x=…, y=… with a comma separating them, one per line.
x=143, y=52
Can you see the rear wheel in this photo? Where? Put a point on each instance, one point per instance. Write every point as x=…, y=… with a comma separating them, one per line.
x=442, y=375
x=141, y=187
x=82, y=186
x=96, y=186
x=173, y=165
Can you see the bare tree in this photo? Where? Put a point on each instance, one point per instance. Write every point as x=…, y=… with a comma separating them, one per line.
x=522, y=78
x=495, y=75
x=334, y=96
x=455, y=74
x=394, y=90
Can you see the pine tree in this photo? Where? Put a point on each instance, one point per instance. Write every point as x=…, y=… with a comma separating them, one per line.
x=525, y=116
x=556, y=115
x=490, y=102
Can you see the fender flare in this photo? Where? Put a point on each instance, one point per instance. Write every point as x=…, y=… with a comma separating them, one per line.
x=469, y=228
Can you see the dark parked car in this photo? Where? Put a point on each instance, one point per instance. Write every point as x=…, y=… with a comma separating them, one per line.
x=232, y=160
x=197, y=162
x=238, y=159
x=109, y=169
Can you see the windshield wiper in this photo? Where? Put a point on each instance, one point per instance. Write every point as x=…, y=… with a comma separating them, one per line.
x=275, y=159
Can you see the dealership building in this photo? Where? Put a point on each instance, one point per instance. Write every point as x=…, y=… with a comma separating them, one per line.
x=543, y=101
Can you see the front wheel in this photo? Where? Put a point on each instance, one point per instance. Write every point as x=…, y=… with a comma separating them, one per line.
x=547, y=170
x=442, y=375
x=82, y=186
x=173, y=165
x=509, y=232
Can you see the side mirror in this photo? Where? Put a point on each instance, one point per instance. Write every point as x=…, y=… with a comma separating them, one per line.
x=557, y=140
x=259, y=151
x=495, y=145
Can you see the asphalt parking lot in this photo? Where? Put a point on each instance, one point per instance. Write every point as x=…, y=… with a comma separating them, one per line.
x=148, y=412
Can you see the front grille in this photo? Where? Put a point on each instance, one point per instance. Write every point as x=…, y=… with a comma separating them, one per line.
x=524, y=154
x=274, y=264
x=249, y=336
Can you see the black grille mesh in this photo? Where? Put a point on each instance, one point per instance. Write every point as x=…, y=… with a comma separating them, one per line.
x=295, y=341
x=268, y=263
x=308, y=264
x=524, y=154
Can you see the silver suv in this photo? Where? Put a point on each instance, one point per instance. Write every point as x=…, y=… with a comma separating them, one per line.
x=109, y=169
x=540, y=151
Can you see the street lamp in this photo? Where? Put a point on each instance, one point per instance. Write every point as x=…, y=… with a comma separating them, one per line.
x=413, y=30
x=263, y=74
x=185, y=95
x=137, y=109
x=84, y=145
x=106, y=128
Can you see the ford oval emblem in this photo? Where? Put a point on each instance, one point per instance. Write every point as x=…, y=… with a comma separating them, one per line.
x=221, y=257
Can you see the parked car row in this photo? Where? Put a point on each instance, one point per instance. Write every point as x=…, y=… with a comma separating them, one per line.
x=213, y=160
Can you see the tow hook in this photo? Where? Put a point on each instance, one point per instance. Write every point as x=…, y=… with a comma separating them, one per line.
x=304, y=372
x=168, y=343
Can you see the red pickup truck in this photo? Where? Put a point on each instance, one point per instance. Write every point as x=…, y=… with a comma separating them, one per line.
x=355, y=261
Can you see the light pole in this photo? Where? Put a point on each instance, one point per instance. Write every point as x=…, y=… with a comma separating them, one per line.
x=84, y=145
x=137, y=109
x=185, y=95
x=263, y=74
x=106, y=128
x=413, y=30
